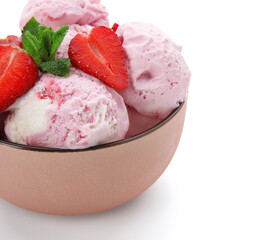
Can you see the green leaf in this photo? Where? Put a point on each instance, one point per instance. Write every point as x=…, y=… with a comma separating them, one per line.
x=29, y=44
x=32, y=26
x=46, y=40
x=34, y=48
x=41, y=29
x=57, y=39
x=41, y=43
x=59, y=67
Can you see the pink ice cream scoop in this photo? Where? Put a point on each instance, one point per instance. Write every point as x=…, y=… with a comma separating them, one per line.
x=56, y=13
x=158, y=75
x=76, y=112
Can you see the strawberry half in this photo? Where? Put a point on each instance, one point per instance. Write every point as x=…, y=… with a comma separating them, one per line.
x=11, y=40
x=18, y=73
x=101, y=55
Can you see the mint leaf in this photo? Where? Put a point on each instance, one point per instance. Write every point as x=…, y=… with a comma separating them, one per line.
x=57, y=39
x=46, y=40
x=31, y=46
x=31, y=26
x=41, y=43
x=34, y=48
x=58, y=67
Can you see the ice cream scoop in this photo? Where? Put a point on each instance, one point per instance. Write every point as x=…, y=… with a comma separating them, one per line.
x=158, y=75
x=57, y=13
x=76, y=112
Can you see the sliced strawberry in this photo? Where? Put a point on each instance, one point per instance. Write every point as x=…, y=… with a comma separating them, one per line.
x=11, y=40
x=18, y=73
x=101, y=55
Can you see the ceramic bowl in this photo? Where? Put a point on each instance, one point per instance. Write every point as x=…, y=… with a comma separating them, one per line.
x=78, y=182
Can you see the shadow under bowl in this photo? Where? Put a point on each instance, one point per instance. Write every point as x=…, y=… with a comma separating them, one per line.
x=77, y=182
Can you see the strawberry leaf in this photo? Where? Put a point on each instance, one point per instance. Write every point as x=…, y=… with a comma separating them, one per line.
x=58, y=67
x=57, y=39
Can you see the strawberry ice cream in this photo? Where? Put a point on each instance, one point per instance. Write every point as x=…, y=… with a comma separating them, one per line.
x=76, y=112
x=139, y=61
x=57, y=13
x=158, y=75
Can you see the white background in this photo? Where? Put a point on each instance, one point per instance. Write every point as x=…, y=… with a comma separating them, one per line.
x=214, y=187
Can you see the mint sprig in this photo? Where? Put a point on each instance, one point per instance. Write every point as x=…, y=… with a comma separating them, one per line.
x=58, y=67
x=42, y=43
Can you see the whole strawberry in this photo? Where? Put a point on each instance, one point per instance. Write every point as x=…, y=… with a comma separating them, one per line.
x=18, y=73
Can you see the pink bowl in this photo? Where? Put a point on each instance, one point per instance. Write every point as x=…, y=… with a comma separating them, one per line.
x=77, y=182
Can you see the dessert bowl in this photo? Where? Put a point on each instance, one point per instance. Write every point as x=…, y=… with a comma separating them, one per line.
x=84, y=181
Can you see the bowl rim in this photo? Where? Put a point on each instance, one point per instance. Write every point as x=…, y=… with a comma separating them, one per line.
x=97, y=147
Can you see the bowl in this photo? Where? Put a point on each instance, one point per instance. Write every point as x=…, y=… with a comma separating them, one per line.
x=79, y=182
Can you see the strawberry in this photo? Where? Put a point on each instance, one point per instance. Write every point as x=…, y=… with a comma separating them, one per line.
x=115, y=27
x=11, y=40
x=18, y=73
x=101, y=55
